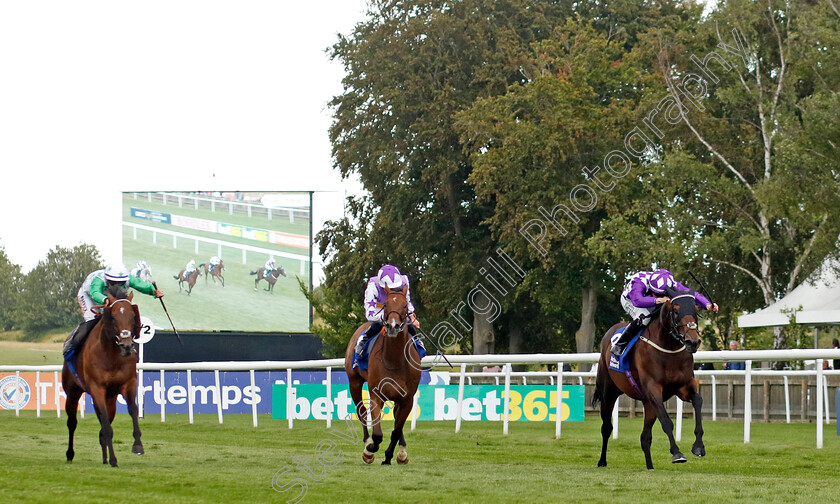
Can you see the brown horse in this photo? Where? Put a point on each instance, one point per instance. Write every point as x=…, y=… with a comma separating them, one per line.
x=661, y=366
x=393, y=375
x=107, y=366
x=189, y=279
x=216, y=272
x=272, y=277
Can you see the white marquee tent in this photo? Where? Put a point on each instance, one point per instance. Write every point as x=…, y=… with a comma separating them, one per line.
x=816, y=303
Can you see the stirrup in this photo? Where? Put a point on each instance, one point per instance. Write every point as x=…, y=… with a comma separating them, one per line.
x=617, y=350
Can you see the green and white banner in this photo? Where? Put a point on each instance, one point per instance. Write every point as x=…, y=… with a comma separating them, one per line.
x=535, y=403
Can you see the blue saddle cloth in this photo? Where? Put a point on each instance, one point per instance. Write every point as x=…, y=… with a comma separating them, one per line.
x=622, y=364
x=362, y=360
x=70, y=357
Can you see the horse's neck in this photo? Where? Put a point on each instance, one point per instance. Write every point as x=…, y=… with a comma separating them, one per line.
x=660, y=333
x=393, y=349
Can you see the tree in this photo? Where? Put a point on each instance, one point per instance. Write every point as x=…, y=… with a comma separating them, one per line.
x=48, y=295
x=747, y=183
x=10, y=277
x=409, y=69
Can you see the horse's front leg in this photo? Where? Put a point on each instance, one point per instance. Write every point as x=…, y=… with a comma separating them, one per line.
x=668, y=428
x=375, y=414
x=106, y=432
x=698, y=448
x=401, y=412
x=130, y=395
x=647, y=432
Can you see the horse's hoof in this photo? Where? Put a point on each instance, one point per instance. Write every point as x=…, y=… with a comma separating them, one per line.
x=368, y=457
x=138, y=450
x=386, y=462
x=678, y=458
x=699, y=451
x=402, y=457
x=602, y=464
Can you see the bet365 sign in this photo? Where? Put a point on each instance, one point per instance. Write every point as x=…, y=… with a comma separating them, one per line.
x=535, y=403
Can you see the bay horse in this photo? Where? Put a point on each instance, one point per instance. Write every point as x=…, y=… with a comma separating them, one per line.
x=215, y=273
x=661, y=366
x=272, y=278
x=189, y=279
x=393, y=375
x=106, y=366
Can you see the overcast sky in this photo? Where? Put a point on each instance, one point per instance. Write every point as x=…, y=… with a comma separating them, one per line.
x=100, y=97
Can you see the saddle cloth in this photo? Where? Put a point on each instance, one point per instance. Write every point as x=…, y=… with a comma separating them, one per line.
x=622, y=363
x=362, y=360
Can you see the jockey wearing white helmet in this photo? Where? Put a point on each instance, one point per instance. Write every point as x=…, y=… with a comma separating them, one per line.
x=641, y=295
x=388, y=277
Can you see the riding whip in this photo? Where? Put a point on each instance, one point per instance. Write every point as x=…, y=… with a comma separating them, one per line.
x=701, y=286
x=154, y=284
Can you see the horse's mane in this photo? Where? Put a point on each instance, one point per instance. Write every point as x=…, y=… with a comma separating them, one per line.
x=118, y=292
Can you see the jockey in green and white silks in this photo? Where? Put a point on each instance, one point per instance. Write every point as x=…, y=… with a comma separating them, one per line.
x=388, y=277
x=641, y=295
x=93, y=292
x=214, y=261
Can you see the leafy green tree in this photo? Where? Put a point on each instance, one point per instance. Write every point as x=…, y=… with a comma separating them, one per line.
x=746, y=186
x=10, y=277
x=410, y=67
x=48, y=295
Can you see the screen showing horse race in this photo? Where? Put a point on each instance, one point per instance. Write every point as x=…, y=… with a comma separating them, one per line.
x=226, y=261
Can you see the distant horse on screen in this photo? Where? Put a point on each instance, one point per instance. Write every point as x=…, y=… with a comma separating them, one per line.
x=215, y=273
x=271, y=279
x=189, y=279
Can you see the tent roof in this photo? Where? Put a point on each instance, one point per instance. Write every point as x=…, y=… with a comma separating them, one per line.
x=816, y=303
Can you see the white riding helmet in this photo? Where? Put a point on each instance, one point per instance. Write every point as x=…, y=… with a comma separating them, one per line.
x=116, y=273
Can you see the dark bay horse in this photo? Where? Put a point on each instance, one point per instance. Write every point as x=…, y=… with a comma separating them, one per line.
x=216, y=272
x=662, y=366
x=393, y=375
x=107, y=366
x=272, y=277
x=189, y=279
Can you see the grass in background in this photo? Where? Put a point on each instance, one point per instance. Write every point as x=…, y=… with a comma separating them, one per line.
x=234, y=462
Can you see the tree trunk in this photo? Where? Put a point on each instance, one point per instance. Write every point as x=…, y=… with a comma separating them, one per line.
x=585, y=335
x=484, y=339
x=515, y=343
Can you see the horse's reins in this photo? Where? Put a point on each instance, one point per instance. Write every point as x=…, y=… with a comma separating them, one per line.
x=673, y=329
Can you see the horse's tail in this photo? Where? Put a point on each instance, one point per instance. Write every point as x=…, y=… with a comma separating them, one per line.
x=596, y=396
x=176, y=277
x=201, y=265
x=253, y=273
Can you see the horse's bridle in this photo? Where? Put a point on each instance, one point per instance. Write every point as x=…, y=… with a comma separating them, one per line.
x=673, y=327
x=402, y=320
x=124, y=334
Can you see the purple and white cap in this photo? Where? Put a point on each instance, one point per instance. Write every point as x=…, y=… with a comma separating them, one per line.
x=660, y=280
x=390, y=277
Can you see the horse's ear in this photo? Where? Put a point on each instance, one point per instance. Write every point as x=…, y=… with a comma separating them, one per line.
x=109, y=299
x=130, y=296
x=404, y=290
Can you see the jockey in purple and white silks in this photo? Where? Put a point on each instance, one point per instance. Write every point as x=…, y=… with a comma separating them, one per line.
x=388, y=277
x=643, y=292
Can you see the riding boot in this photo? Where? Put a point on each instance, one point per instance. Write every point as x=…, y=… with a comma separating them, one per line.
x=77, y=337
x=629, y=331
x=372, y=331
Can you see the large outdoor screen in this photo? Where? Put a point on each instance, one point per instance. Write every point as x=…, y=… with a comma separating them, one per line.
x=167, y=230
